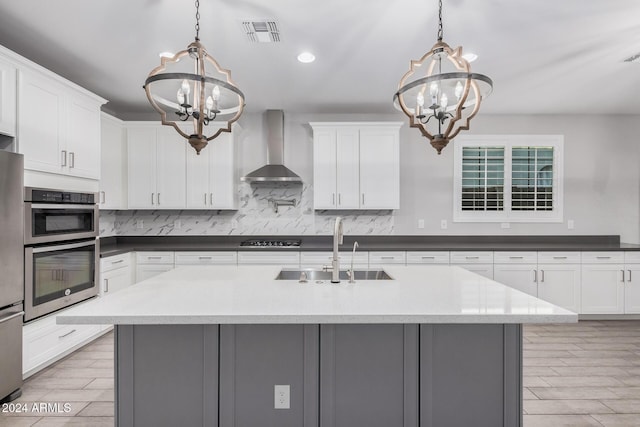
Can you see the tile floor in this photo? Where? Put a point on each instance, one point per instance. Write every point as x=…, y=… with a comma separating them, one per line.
x=585, y=374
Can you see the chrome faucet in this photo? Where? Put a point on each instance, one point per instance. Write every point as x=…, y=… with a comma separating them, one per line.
x=337, y=240
x=352, y=274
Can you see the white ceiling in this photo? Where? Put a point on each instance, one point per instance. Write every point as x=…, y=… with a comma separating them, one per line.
x=544, y=56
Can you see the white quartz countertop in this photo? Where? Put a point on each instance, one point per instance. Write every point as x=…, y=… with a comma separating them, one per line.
x=249, y=294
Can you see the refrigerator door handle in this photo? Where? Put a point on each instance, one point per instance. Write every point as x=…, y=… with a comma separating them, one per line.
x=12, y=316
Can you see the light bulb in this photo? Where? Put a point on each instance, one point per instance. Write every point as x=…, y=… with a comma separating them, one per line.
x=444, y=101
x=420, y=99
x=458, y=90
x=209, y=103
x=185, y=88
x=433, y=89
x=215, y=92
x=180, y=97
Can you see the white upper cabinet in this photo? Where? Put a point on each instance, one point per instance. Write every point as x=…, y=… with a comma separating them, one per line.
x=58, y=126
x=113, y=161
x=356, y=165
x=7, y=97
x=156, y=165
x=212, y=176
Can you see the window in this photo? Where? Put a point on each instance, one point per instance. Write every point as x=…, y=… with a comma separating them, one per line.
x=508, y=178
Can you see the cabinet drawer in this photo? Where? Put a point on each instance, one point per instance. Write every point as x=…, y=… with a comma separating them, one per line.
x=632, y=257
x=206, y=258
x=515, y=257
x=319, y=259
x=154, y=257
x=115, y=262
x=269, y=258
x=602, y=257
x=422, y=257
x=558, y=257
x=387, y=258
x=480, y=257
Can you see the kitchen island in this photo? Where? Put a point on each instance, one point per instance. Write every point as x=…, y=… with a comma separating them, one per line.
x=226, y=346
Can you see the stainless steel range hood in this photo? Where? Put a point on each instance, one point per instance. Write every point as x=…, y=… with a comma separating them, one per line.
x=274, y=171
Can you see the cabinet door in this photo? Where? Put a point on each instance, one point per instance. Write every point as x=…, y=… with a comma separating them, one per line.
x=42, y=135
x=171, y=169
x=602, y=288
x=324, y=169
x=632, y=289
x=198, y=166
x=141, y=147
x=559, y=284
x=347, y=168
x=522, y=277
x=379, y=169
x=115, y=280
x=113, y=161
x=7, y=98
x=222, y=177
x=83, y=138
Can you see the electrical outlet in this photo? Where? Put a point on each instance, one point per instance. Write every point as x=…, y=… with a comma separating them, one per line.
x=139, y=223
x=505, y=225
x=570, y=224
x=421, y=223
x=281, y=395
x=177, y=224
x=443, y=224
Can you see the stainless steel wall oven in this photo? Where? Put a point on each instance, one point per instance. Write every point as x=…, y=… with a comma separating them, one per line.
x=61, y=251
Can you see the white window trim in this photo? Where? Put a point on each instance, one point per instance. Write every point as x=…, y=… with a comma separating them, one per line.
x=509, y=141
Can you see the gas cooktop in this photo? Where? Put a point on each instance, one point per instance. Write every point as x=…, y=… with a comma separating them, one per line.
x=271, y=243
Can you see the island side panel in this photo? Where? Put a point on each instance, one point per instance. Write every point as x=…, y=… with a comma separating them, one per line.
x=167, y=375
x=368, y=375
x=255, y=358
x=470, y=375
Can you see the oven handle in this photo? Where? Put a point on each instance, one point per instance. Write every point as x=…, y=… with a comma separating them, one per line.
x=92, y=242
x=87, y=207
x=12, y=316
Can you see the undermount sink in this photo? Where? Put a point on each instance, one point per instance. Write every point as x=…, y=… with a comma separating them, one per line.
x=314, y=275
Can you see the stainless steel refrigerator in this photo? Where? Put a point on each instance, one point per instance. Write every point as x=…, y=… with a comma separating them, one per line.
x=11, y=273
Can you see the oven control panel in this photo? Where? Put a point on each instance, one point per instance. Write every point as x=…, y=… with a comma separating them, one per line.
x=53, y=196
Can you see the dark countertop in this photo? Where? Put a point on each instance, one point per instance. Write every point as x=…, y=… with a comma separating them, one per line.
x=120, y=244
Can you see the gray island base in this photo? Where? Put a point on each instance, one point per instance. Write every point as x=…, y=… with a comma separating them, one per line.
x=342, y=375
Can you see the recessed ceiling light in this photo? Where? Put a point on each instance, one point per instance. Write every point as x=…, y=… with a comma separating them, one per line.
x=165, y=54
x=470, y=56
x=306, y=57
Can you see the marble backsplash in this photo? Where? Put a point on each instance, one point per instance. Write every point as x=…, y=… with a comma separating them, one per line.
x=255, y=216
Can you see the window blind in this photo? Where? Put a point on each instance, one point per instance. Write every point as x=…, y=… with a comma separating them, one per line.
x=482, y=179
x=532, y=178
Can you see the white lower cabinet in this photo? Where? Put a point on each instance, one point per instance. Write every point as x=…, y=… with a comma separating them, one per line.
x=480, y=262
x=632, y=289
x=428, y=257
x=115, y=273
x=284, y=259
x=206, y=258
x=319, y=259
x=518, y=270
x=559, y=279
x=603, y=282
x=383, y=258
x=149, y=264
x=45, y=342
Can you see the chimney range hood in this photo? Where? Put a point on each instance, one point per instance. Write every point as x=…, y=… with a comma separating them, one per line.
x=274, y=171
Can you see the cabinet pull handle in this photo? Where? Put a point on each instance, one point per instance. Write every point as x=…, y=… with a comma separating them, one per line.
x=629, y=275
x=72, y=159
x=158, y=199
x=559, y=257
x=516, y=257
x=205, y=198
x=211, y=199
x=333, y=199
x=472, y=257
x=63, y=162
x=205, y=257
x=542, y=272
x=622, y=276
x=339, y=198
x=154, y=257
x=362, y=199
x=152, y=199
x=387, y=257
x=535, y=276
x=603, y=257
x=67, y=334
x=117, y=262
x=428, y=257
x=106, y=285
x=104, y=197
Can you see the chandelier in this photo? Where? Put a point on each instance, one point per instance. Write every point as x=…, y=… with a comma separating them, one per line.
x=439, y=93
x=197, y=97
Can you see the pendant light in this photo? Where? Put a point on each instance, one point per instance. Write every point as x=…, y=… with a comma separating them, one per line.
x=197, y=97
x=439, y=93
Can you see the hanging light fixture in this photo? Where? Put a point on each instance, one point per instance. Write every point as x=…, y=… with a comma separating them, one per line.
x=439, y=93
x=195, y=93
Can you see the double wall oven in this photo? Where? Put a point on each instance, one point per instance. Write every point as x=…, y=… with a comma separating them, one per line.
x=61, y=252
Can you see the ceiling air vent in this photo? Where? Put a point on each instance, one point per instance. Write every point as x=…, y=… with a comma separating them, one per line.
x=262, y=31
x=635, y=58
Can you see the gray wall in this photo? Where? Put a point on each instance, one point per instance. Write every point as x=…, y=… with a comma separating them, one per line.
x=601, y=183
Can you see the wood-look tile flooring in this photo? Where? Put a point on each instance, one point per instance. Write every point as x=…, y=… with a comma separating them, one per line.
x=585, y=374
